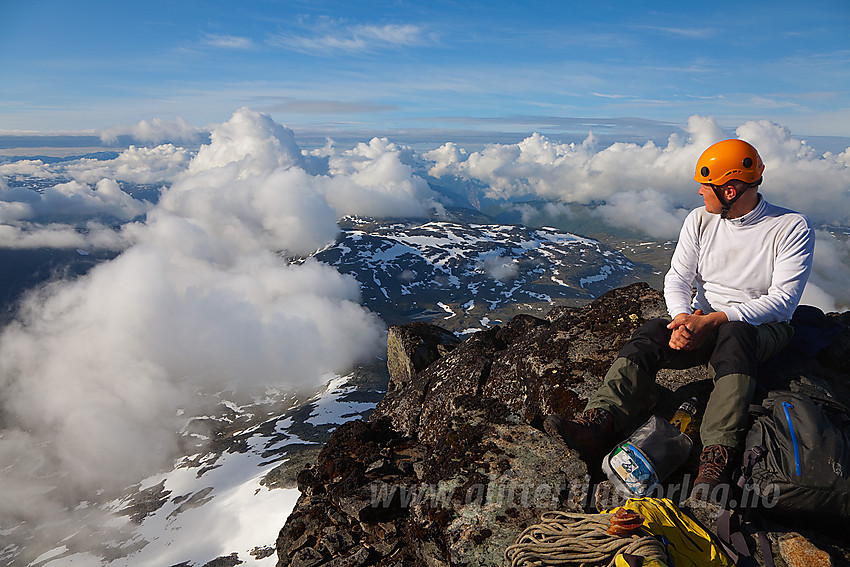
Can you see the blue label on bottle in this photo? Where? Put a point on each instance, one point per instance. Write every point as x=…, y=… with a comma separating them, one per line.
x=633, y=469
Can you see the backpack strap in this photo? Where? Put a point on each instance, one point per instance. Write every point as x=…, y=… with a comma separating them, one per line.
x=764, y=544
x=729, y=532
x=735, y=544
x=729, y=522
x=751, y=458
x=757, y=410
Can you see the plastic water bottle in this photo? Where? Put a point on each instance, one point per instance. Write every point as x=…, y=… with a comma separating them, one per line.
x=649, y=456
x=685, y=417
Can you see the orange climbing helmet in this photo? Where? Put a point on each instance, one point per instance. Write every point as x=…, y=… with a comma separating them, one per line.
x=729, y=159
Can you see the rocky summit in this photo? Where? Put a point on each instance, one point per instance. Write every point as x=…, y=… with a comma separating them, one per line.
x=453, y=464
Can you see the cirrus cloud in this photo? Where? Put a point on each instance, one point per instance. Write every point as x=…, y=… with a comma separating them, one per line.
x=331, y=37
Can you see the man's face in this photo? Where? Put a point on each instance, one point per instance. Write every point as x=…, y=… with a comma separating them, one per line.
x=712, y=203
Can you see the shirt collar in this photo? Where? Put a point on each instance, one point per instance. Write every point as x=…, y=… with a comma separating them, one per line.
x=752, y=216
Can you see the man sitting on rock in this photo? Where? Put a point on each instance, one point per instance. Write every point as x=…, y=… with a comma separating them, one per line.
x=749, y=262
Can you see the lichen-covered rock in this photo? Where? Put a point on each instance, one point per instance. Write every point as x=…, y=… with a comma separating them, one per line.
x=453, y=463
x=797, y=551
x=504, y=487
x=388, y=498
x=533, y=366
x=412, y=347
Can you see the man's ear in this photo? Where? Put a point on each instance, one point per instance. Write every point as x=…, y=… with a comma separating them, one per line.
x=730, y=192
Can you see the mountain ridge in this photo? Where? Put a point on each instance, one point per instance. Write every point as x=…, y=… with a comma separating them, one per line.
x=414, y=270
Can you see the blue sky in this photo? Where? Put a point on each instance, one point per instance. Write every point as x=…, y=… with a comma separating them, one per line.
x=441, y=66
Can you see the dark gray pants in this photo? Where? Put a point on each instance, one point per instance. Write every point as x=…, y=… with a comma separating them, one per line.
x=732, y=354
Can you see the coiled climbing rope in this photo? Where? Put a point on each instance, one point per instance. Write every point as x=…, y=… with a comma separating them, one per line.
x=564, y=538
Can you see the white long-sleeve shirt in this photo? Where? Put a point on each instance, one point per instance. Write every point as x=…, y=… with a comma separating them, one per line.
x=752, y=268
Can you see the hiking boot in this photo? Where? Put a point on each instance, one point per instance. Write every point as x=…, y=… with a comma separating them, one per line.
x=591, y=433
x=714, y=479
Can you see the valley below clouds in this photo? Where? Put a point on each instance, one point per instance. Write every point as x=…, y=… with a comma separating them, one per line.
x=208, y=281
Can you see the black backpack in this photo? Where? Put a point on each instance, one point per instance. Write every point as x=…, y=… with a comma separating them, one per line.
x=797, y=461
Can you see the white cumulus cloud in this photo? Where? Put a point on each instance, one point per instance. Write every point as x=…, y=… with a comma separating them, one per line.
x=377, y=179
x=98, y=373
x=160, y=164
x=199, y=301
x=827, y=286
x=155, y=132
x=660, y=178
x=647, y=211
x=70, y=200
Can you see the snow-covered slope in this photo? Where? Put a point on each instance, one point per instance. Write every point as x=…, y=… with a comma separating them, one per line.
x=422, y=270
x=226, y=501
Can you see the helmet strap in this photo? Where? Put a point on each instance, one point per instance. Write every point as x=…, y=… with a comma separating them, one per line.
x=718, y=192
x=726, y=205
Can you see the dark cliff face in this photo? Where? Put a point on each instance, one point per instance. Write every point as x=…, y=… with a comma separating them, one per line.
x=453, y=463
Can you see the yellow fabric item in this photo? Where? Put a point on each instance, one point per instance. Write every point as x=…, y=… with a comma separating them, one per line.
x=689, y=544
x=620, y=561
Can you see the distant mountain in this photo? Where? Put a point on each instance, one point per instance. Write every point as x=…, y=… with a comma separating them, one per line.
x=468, y=271
x=25, y=269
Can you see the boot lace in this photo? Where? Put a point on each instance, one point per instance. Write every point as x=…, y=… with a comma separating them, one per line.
x=713, y=461
x=594, y=417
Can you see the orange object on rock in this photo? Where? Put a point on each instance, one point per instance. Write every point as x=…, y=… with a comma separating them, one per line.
x=625, y=522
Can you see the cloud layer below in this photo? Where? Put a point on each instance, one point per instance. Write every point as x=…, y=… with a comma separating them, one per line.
x=650, y=188
x=98, y=373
